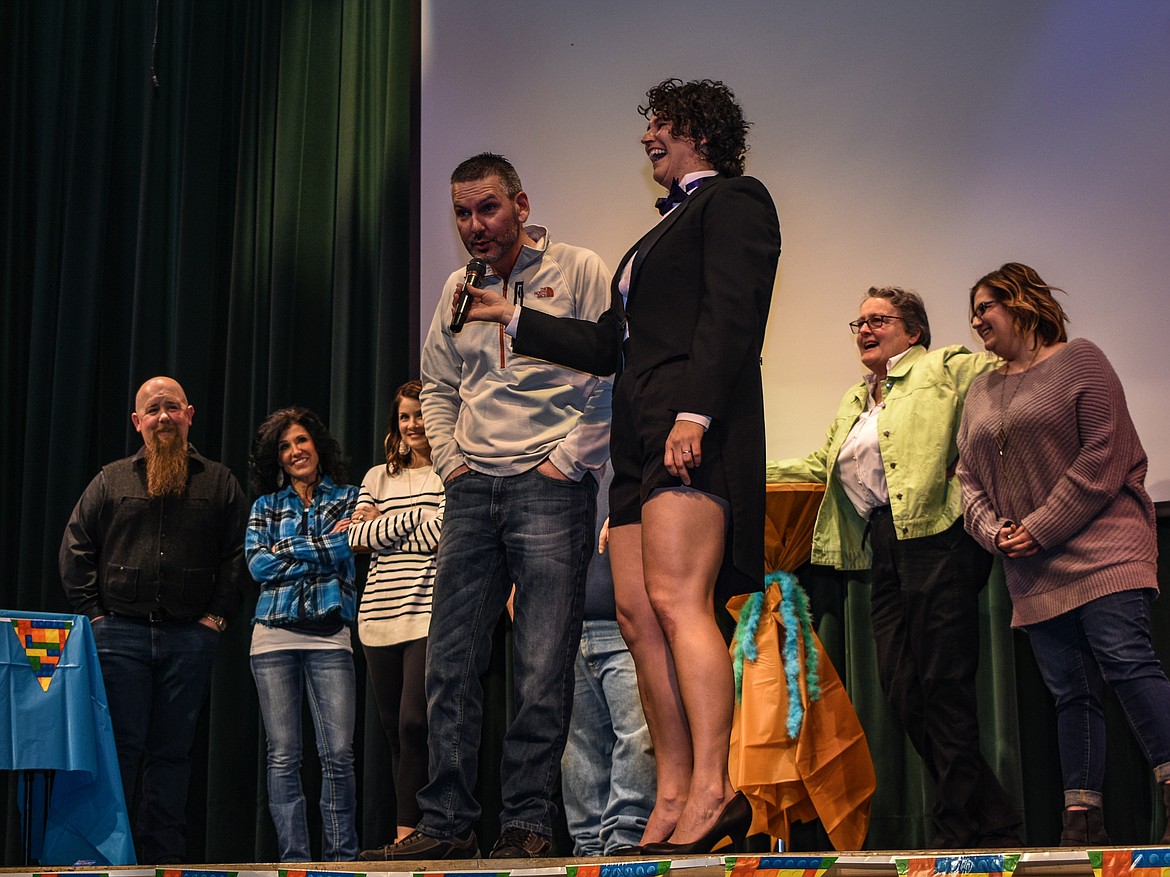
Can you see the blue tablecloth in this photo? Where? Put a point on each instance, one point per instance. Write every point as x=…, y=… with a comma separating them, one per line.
x=63, y=725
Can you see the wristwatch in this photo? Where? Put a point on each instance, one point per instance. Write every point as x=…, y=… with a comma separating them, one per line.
x=218, y=620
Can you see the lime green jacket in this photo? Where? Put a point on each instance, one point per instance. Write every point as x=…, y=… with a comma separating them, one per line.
x=923, y=395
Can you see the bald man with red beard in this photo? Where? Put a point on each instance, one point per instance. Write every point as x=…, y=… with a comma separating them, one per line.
x=153, y=556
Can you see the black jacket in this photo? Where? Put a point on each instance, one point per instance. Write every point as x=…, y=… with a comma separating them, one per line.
x=126, y=553
x=700, y=290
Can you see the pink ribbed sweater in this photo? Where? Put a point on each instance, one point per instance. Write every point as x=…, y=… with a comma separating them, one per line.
x=1072, y=472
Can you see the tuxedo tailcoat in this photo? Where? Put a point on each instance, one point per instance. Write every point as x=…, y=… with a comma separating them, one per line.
x=700, y=289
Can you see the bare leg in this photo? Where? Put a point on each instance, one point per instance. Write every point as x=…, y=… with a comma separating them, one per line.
x=682, y=550
x=657, y=685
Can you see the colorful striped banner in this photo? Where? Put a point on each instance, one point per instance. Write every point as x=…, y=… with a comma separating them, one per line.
x=982, y=865
x=777, y=866
x=1131, y=863
x=620, y=869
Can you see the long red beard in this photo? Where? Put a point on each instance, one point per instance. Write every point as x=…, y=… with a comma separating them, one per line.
x=166, y=464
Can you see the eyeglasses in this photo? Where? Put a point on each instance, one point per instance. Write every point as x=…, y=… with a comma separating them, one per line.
x=980, y=309
x=874, y=322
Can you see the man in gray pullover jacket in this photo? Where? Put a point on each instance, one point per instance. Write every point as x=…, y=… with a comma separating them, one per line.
x=517, y=441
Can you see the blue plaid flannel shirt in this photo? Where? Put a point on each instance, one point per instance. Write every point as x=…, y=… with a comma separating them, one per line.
x=304, y=571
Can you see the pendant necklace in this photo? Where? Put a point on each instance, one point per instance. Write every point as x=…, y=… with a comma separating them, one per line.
x=1001, y=433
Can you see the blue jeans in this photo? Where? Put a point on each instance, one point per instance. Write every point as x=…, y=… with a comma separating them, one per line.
x=281, y=679
x=536, y=532
x=157, y=677
x=1106, y=640
x=607, y=771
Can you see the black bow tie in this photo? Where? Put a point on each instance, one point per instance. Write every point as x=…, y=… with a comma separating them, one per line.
x=678, y=194
x=675, y=196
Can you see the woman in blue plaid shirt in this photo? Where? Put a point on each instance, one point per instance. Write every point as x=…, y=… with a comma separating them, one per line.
x=298, y=552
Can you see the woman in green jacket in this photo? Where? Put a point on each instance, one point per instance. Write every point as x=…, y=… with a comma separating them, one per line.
x=893, y=504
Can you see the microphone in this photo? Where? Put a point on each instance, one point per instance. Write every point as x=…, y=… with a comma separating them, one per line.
x=476, y=268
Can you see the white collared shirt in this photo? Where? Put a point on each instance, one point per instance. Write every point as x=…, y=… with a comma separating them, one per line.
x=860, y=468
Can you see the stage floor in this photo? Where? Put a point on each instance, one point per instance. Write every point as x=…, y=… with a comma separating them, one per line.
x=1112, y=862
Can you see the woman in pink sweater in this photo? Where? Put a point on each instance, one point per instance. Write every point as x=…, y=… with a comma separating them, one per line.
x=1053, y=479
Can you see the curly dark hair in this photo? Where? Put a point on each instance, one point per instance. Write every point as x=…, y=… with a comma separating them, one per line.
x=396, y=459
x=264, y=461
x=704, y=111
x=1029, y=300
x=909, y=305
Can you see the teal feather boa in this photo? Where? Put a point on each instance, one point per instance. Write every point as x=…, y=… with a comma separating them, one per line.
x=798, y=630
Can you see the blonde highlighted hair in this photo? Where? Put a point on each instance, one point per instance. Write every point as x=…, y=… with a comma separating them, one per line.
x=1024, y=293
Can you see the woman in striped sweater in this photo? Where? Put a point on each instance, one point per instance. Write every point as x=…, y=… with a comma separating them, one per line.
x=398, y=518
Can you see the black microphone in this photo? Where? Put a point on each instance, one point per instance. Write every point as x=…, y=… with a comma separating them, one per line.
x=476, y=268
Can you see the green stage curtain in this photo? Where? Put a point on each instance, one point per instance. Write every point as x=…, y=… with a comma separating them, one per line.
x=223, y=191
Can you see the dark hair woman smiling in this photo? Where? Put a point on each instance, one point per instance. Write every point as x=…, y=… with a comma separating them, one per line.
x=299, y=554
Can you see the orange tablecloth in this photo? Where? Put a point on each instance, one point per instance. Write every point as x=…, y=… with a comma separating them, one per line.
x=791, y=511
x=826, y=771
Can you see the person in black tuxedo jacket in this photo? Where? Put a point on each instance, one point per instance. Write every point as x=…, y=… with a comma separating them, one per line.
x=684, y=332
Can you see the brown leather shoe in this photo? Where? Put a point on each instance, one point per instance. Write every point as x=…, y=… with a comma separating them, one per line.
x=1084, y=828
x=417, y=846
x=1166, y=801
x=520, y=843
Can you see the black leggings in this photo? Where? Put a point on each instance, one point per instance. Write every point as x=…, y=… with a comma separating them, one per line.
x=397, y=675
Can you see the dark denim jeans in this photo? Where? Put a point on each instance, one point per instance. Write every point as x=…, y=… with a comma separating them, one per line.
x=325, y=678
x=536, y=532
x=157, y=677
x=1107, y=640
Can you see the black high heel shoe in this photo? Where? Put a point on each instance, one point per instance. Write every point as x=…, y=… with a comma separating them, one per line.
x=733, y=823
x=627, y=850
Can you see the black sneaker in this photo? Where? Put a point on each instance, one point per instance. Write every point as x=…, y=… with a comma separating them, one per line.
x=520, y=843
x=417, y=846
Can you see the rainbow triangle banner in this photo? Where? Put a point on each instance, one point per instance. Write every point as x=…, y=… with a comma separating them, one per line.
x=451, y=873
x=43, y=641
x=777, y=866
x=986, y=865
x=620, y=869
x=1148, y=862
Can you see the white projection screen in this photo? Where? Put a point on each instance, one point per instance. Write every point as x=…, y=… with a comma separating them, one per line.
x=918, y=144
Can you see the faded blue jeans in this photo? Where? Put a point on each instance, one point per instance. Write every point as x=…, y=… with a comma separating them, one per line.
x=1105, y=641
x=537, y=532
x=607, y=771
x=282, y=680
